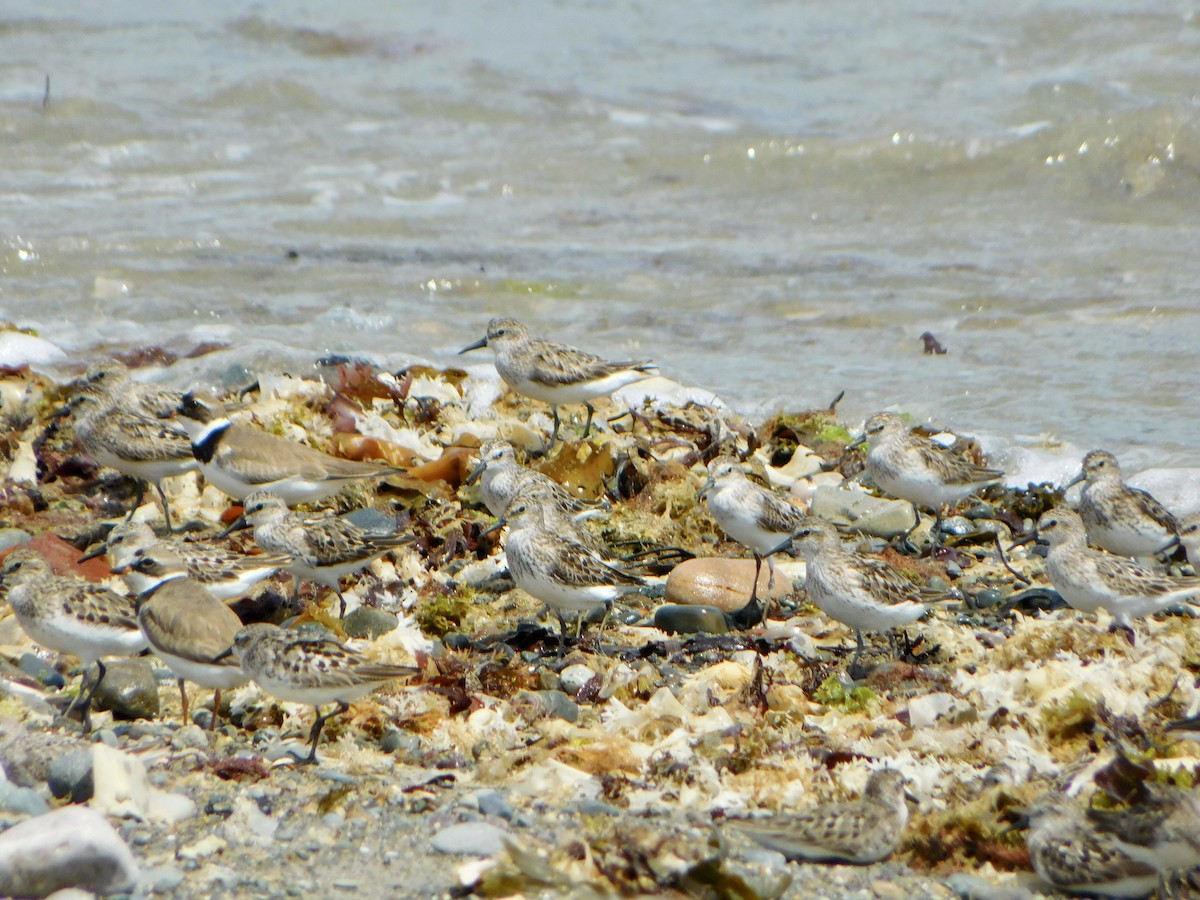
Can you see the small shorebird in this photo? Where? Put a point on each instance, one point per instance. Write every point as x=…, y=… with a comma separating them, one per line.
x=186, y=626
x=750, y=514
x=320, y=548
x=501, y=478
x=1162, y=829
x=238, y=458
x=223, y=573
x=1069, y=853
x=561, y=572
x=300, y=667
x=863, y=592
x=555, y=373
x=70, y=615
x=860, y=832
x=1118, y=518
x=1089, y=579
x=111, y=378
x=140, y=446
x=914, y=468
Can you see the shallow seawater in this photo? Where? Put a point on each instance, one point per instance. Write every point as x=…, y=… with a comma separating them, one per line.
x=772, y=200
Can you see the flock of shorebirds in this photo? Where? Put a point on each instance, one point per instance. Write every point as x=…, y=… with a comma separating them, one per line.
x=1102, y=555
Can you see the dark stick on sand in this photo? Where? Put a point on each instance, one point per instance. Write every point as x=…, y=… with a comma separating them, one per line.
x=46, y=94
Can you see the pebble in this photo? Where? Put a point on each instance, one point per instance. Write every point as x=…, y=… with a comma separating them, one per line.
x=46, y=674
x=552, y=704
x=19, y=349
x=12, y=537
x=972, y=887
x=71, y=776
x=470, y=839
x=574, y=677
x=15, y=799
x=988, y=597
x=854, y=508
x=27, y=754
x=129, y=690
x=372, y=520
x=160, y=879
x=369, y=622
x=675, y=619
x=404, y=742
x=191, y=737
x=723, y=583
x=205, y=847
x=69, y=847
x=493, y=803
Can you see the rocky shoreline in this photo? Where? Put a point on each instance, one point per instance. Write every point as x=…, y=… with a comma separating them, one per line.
x=509, y=766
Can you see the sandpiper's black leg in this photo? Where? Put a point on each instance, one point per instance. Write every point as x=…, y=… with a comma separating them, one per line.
x=587, y=429
x=166, y=506
x=316, y=729
x=854, y=670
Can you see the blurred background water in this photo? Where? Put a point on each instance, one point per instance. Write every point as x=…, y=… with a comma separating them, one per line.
x=771, y=199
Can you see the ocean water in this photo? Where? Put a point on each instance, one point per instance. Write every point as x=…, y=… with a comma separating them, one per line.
x=771, y=199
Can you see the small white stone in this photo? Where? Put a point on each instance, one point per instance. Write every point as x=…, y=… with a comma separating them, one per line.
x=572, y=678
x=924, y=711
x=205, y=847
x=18, y=349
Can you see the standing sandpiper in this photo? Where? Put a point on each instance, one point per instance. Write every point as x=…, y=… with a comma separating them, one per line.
x=914, y=468
x=1118, y=518
x=555, y=373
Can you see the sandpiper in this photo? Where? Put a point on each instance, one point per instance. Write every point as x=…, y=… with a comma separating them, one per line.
x=1089, y=579
x=145, y=448
x=187, y=627
x=1069, y=853
x=555, y=373
x=225, y=574
x=860, y=832
x=111, y=377
x=300, y=667
x=750, y=514
x=1162, y=828
x=70, y=615
x=863, y=592
x=238, y=458
x=501, y=477
x=563, y=573
x=1119, y=518
x=914, y=468
x=321, y=548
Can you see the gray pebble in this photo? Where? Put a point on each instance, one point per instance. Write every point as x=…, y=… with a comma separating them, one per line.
x=988, y=597
x=470, y=839
x=372, y=520
x=71, y=776
x=493, y=803
x=190, y=737
x=24, y=800
x=368, y=622
x=70, y=847
x=11, y=537
x=46, y=674
x=160, y=879
x=404, y=742
x=972, y=887
x=691, y=619
x=130, y=690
